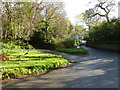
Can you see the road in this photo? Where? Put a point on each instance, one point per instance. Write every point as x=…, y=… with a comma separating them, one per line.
x=99, y=69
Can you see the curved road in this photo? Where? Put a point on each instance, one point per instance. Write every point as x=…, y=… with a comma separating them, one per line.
x=99, y=69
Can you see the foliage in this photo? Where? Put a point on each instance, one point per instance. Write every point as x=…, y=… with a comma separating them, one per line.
x=9, y=48
x=104, y=6
x=32, y=63
x=37, y=23
x=88, y=18
x=73, y=50
x=104, y=32
x=69, y=43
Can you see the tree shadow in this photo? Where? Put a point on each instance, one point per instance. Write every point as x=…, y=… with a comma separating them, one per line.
x=98, y=81
x=98, y=75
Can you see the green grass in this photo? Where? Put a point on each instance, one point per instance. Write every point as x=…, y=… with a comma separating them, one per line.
x=32, y=63
x=73, y=50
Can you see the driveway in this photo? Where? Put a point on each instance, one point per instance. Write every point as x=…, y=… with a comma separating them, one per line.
x=99, y=69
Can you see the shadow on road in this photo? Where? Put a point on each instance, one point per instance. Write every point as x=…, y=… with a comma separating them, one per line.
x=95, y=75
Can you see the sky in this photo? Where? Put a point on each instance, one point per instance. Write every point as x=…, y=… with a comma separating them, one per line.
x=75, y=7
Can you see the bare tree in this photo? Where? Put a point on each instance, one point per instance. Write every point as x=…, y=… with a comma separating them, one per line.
x=103, y=8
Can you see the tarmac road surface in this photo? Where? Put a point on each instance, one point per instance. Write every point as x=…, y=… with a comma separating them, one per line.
x=99, y=69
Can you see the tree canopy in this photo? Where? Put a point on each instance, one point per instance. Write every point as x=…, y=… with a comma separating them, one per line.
x=100, y=30
x=38, y=23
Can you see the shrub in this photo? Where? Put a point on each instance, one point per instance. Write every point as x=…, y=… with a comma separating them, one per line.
x=104, y=31
x=69, y=43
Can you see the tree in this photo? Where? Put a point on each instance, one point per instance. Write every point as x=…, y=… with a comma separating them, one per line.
x=52, y=14
x=40, y=23
x=18, y=20
x=87, y=18
x=1, y=12
x=104, y=8
x=53, y=26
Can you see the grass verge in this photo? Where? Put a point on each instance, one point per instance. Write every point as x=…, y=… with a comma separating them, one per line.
x=32, y=63
x=73, y=50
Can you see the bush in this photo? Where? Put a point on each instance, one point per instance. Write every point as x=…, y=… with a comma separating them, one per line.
x=26, y=46
x=73, y=50
x=104, y=31
x=69, y=43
